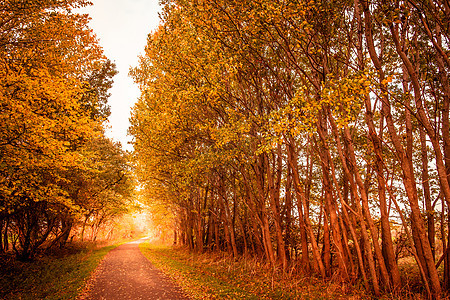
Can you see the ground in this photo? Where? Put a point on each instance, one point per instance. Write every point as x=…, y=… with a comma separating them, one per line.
x=125, y=273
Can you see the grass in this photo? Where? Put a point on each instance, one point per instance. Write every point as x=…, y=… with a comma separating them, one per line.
x=61, y=276
x=216, y=276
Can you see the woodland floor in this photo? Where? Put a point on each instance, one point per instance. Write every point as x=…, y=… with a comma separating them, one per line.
x=125, y=273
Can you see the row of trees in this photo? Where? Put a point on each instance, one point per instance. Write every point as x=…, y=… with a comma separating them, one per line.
x=57, y=169
x=311, y=133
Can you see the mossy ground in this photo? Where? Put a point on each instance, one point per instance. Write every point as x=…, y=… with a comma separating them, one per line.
x=61, y=275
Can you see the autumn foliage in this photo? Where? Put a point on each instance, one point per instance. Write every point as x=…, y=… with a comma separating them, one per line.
x=314, y=134
x=57, y=169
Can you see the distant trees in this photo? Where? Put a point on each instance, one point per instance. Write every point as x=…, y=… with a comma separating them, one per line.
x=55, y=163
x=311, y=133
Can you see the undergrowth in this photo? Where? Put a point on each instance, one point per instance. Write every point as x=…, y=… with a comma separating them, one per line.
x=217, y=276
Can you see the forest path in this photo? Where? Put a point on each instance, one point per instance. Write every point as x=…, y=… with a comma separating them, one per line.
x=125, y=273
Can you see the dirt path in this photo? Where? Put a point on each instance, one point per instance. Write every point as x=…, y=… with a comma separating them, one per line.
x=125, y=273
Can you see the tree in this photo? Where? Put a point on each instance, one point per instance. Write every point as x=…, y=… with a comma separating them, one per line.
x=52, y=103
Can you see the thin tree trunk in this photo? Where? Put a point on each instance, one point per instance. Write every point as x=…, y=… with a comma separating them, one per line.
x=274, y=196
x=303, y=212
x=330, y=205
x=426, y=192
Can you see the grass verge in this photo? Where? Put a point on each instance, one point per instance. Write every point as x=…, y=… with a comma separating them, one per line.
x=216, y=276
x=50, y=277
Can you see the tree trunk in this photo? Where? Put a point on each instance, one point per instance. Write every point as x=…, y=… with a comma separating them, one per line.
x=330, y=205
x=274, y=197
x=303, y=211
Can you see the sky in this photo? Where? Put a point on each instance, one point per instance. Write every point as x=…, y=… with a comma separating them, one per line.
x=122, y=27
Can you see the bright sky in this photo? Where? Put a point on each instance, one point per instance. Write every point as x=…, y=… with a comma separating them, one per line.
x=122, y=27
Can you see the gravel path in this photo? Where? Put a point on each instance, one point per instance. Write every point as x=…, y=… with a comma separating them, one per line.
x=125, y=273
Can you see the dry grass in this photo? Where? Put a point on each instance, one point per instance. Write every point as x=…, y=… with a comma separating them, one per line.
x=217, y=276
